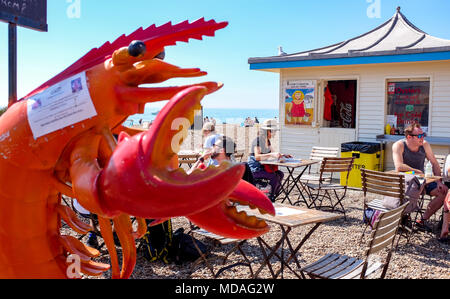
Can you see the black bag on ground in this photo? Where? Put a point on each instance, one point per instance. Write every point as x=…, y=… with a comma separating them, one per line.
x=157, y=241
x=183, y=249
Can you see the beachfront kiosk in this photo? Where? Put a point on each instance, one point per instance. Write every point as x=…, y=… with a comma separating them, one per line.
x=395, y=74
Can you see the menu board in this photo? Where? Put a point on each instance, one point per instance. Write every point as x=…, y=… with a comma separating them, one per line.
x=409, y=102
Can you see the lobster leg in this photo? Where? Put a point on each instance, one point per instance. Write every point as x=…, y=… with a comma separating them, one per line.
x=122, y=225
x=84, y=171
x=107, y=234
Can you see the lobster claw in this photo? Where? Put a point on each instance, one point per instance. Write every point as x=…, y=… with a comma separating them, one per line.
x=141, y=179
x=223, y=219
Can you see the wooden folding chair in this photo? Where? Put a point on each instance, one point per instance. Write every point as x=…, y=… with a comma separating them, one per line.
x=219, y=241
x=441, y=160
x=317, y=154
x=328, y=190
x=187, y=159
x=239, y=155
x=337, y=266
x=391, y=185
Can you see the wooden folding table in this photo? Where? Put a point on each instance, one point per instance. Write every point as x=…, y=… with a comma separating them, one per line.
x=287, y=217
x=292, y=180
x=187, y=157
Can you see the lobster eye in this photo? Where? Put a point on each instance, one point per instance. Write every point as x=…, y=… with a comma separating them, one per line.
x=136, y=48
x=161, y=55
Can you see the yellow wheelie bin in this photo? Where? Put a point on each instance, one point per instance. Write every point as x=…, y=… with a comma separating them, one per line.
x=367, y=155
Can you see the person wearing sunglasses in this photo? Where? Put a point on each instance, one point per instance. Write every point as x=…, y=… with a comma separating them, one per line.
x=409, y=155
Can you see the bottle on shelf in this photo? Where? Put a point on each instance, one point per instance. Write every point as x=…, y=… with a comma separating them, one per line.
x=393, y=130
x=428, y=169
x=388, y=129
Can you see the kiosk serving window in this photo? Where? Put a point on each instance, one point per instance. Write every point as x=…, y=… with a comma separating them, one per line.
x=408, y=102
x=340, y=104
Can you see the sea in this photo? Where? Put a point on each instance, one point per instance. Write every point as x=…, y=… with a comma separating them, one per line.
x=221, y=115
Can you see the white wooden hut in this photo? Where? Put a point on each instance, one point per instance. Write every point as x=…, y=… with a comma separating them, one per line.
x=396, y=73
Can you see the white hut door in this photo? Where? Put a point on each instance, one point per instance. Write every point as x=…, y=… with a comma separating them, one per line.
x=333, y=134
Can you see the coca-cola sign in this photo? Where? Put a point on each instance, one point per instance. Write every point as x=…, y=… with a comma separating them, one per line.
x=346, y=114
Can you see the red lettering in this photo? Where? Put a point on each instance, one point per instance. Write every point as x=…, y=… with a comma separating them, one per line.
x=399, y=90
x=413, y=115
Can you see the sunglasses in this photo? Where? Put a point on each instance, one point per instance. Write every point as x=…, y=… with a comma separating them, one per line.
x=420, y=136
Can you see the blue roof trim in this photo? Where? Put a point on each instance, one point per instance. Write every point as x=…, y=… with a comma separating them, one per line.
x=352, y=60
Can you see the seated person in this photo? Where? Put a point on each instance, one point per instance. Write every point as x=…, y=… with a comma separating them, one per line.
x=261, y=150
x=444, y=237
x=223, y=150
x=210, y=135
x=446, y=171
x=409, y=155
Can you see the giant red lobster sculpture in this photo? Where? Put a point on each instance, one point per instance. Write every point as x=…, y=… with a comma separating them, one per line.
x=59, y=140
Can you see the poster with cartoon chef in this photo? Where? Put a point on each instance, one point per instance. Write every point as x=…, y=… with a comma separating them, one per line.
x=299, y=99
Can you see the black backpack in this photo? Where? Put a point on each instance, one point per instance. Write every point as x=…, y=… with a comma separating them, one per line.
x=183, y=248
x=157, y=241
x=248, y=175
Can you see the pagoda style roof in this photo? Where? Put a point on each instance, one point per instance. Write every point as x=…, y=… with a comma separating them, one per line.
x=397, y=36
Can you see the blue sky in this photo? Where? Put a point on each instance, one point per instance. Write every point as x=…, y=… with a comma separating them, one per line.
x=256, y=29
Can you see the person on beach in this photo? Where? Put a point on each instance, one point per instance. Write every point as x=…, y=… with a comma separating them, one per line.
x=247, y=122
x=261, y=150
x=409, y=155
x=210, y=135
